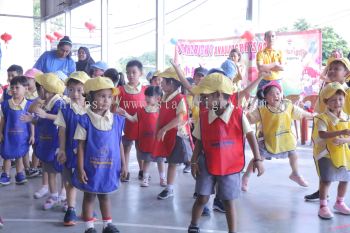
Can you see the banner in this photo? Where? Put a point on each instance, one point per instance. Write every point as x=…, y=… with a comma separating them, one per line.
x=302, y=58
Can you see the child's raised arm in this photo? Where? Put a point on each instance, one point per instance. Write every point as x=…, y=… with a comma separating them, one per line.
x=183, y=80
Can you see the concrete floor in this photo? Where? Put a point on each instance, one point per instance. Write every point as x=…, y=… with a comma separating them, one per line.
x=273, y=204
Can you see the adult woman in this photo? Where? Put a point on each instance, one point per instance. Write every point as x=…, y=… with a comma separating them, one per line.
x=59, y=59
x=84, y=60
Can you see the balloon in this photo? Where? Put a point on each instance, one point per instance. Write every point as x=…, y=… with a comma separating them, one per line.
x=6, y=37
x=50, y=38
x=90, y=26
x=58, y=35
x=173, y=41
x=248, y=35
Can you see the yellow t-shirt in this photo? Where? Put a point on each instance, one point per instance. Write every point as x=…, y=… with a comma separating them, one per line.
x=268, y=56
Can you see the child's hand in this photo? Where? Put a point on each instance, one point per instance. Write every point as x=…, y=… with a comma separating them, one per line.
x=120, y=111
x=258, y=164
x=82, y=176
x=61, y=156
x=27, y=117
x=40, y=113
x=194, y=170
x=31, y=140
x=160, y=135
x=340, y=141
x=124, y=172
x=346, y=132
x=1, y=137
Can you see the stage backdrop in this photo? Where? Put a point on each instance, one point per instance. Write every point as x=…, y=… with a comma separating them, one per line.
x=302, y=55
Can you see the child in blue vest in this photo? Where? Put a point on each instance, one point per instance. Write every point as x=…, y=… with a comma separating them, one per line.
x=49, y=87
x=12, y=71
x=101, y=160
x=15, y=135
x=218, y=157
x=67, y=121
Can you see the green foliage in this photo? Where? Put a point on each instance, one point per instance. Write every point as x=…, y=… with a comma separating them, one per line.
x=301, y=25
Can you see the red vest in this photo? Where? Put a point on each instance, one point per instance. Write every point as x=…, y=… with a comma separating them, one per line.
x=131, y=103
x=167, y=113
x=147, y=130
x=223, y=144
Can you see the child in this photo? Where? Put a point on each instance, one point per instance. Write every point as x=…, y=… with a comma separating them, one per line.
x=154, y=79
x=173, y=138
x=147, y=118
x=218, y=157
x=49, y=87
x=98, y=69
x=67, y=120
x=331, y=148
x=100, y=152
x=116, y=77
x=275, y=136
x=12, y=71
x=131, y=99
x=15, y=135
x=338, y=69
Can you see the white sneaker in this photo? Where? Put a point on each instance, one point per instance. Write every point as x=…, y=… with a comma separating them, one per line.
x=163, y=182
x=145, y=182
x=62, y=197
x=41, y=192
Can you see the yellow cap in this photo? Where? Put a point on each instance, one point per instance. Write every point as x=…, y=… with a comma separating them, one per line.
x=100, y=83
x=80, y=76
x=169, y=73
x=214, y=82
x=330, y=89
x=51, y=83
x=343, y=60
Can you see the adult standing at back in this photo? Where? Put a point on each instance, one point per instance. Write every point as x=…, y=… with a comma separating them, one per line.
x=59, y=59
x=269, y=60
x=85, y=60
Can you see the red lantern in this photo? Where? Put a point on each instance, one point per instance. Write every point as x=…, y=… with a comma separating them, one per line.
x=90, y=26
x=6, y=37
x=249, y=36
x=50, y=38
x=58, y=35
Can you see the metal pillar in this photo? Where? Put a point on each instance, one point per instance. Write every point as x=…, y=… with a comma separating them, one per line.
x=104, y=30
x=160, y=34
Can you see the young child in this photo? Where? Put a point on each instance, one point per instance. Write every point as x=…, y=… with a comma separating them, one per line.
x=101, y=159
x=15, y=135
x=331, y=148
x=49, y=87
x=12, y=71
x=275, y=137
x=218, y=157
x=116, y=77
x=131, y=99
x=98, y=69
x=147, y=118
x=173, y=139
x=154, y=79
x=67, y=120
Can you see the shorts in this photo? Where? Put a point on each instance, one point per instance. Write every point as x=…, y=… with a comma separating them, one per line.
x=329, y=173
x=147, y=157
x=228, y=186
x=127, y=142
x=48, y=167
x=182, y=151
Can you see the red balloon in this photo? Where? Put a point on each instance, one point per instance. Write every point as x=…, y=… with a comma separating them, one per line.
x=90, y=26
x=50, y=38
x=6, y=37
x=249, y=36
x=58, y=35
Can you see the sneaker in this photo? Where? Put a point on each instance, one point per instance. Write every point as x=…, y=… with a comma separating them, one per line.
x=127, y=178
x=206, y=211
x=62, y=197
x=70, y=218
x=163, y=182
x=145, y=182
x=218, y=205
x=187, y=168
x=32, y=172
x=299, y=180
x=5, y=179
x=313, y=197
x=94, y=216
x=50, y=202
x=165, y=194
x=325, y=213
x=244, y=186
x=21, y=178
x=90, y=230
x=192, y=229
x=140, y=176
x=1, y=223
x=110, y=228
x=41, y=192
x=342, y=208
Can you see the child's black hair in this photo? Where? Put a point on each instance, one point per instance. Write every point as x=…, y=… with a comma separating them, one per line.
x=136, y=63
x=260, y=94
x=37, y=86
x=153, y=91
x=15, y=68
x=173, y=81
x=73, y=81
x=22, y=80
x=116, y=77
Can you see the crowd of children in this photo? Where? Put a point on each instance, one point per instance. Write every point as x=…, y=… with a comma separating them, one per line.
x=84, y=128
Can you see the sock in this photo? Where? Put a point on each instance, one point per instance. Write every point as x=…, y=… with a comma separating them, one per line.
x=145, y=175
x=170, y=187
x=193, y=225
x=54, y=196
x=106, y=221
x=45, y=186
x=323, y=203
x=89, y=224
x=340, y=200
x=162, y=175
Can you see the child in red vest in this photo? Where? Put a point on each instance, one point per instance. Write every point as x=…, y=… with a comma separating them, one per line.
x=131, y=99
x=218, y=157
x=173, y=139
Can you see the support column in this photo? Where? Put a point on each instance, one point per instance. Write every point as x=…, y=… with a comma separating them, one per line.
x=160, y=22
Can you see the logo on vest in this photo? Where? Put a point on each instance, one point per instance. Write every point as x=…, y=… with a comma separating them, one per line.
x=223, y=143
